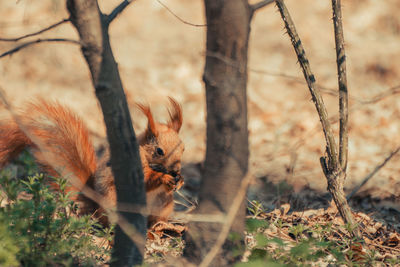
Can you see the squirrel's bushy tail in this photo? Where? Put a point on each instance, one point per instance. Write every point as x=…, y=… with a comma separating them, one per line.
x=12, y=141
x=60, y=141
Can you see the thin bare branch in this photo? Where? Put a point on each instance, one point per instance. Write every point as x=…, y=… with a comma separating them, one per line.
x=261, y=4
x=330, y=165
x=234, y=208
x=25, y=45
x=179, y=18
x=323, y=89
x=391, y=91
x=335, y=186
x=118, y=10
x=233, y=63
x=310, y=78
x=370, y=100
x=35, y=33
x=369, y=176
x=342, y=81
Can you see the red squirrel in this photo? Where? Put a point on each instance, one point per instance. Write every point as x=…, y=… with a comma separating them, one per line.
x=61, y=145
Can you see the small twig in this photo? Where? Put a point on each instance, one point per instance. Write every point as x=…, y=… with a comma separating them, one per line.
x=260, y=4
x=228, y=61
x=24, y=45
x=237, y=201
x=185, y=198
x=369, y=176
x=391, y=91
x=385, y=247
x=179, y=18
x=182, y=204
x=118, y=10
x=209, y=218
x=342, y=81
x=35, y=33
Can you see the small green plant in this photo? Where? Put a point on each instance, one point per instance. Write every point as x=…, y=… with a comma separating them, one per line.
x=282, y=244
x=297, y=230
x=302, y=250
x=175, y=246
x=255, y=208
x=254, y=225
x=38, y=228
x=8, y=248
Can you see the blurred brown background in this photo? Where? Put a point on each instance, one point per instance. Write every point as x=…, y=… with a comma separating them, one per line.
x=160, y=56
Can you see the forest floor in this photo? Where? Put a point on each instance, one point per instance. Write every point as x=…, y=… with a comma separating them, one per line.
x=160, y=56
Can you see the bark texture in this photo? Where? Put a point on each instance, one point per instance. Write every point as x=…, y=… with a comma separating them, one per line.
x=342, y=83
x=92, y=27
x=226, y=163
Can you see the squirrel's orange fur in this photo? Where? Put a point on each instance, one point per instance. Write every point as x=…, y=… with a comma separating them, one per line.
x=62, y=147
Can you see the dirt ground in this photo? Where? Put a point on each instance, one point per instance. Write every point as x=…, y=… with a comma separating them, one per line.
x=160, y=56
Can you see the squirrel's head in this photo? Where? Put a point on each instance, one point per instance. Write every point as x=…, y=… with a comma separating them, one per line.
x=161, y=143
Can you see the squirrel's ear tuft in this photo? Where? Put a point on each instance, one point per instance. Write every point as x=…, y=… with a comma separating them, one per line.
x=151, y=130
x=175, y=114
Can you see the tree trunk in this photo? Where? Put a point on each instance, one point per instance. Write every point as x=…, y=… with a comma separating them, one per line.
x=226, y=163
x=92, y=27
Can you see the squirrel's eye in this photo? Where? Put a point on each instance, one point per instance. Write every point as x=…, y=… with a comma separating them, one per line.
x=160, y=151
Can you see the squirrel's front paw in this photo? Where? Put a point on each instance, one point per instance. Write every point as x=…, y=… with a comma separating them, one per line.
x=169, y=181
x=173, y=183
